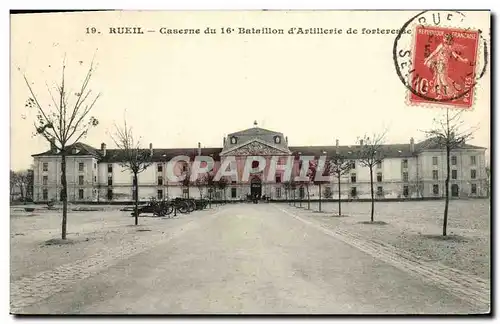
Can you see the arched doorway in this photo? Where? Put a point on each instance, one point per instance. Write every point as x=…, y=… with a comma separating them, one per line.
x=256, y=187
x=454, y=190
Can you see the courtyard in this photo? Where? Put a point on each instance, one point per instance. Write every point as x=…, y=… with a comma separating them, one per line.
x=254, y=259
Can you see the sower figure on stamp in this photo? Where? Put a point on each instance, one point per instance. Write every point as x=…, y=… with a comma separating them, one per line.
x=438, y=62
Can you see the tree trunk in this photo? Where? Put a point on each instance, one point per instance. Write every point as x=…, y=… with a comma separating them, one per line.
x=64, y=194
x=371, y=191
x=319, y=185
x=300, y=196
x=308, y=198
x=136, y=199
x=447, y=192
x=340, y=208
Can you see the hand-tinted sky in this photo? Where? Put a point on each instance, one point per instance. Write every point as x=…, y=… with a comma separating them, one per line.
x=178, y=90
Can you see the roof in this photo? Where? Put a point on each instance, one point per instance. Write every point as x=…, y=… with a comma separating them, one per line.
x=82, y=149
x=433, y=144
x=254, y=131
x=161, y=154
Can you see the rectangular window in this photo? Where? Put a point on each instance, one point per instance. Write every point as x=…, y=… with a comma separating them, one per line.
x=45, y=180
x=473, y=188
x=435, y=175
x=80, y=180
x=435, y=189
x=353, y=164
x=160, y=167
x=473, y=160
x=380, y=191
x=95, y=165
x=110, y=194
x=434, y=160
x=379, y=165
x=379, y=177
x=405, y=176
x=405, y=191
x=80, y=166
x=159, y=193
x=110, y=168
x=110, y=180
x=353, y=177
x=160, y=181
x=354, y=192
x=278, y=192
x=473, y=174
x=45, y=166
x=45, y=194
x=95, y=178
x=454, y=174
x=278, y=178
x=454, y=160
x=80, y=194
x=233, y=192
x=405, y=163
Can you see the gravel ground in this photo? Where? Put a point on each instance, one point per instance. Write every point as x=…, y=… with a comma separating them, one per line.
x=234, y=259
x=88, y=233
x=417, y=227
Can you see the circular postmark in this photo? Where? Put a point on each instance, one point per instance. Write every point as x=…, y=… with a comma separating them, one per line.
x=442, y=59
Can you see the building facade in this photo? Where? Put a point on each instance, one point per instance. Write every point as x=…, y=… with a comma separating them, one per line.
x=411, y=170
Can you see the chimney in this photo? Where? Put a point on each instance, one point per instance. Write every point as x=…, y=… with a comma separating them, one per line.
x=103, y=149
x=337, y=142
x=53, y=148
x=412, y=145
x=361, y=142
x=286, y=139
x=199, y=149
x=224, y=142
x=151, y=149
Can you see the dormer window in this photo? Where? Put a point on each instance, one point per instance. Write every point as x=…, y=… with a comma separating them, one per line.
x=234, y=140
x=277, y=139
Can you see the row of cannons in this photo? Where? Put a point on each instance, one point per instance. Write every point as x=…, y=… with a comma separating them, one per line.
x=170, y=208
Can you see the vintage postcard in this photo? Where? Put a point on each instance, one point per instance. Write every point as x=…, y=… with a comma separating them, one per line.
x=250, y=162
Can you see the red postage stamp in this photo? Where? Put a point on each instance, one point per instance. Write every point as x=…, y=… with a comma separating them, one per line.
x=444, y=66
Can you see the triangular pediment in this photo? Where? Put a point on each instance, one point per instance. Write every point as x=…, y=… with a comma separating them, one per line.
x=256, y=147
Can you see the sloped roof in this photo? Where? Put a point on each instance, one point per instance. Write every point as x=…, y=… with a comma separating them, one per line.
x=352, y=151
x=161, y=154
x=433, y=144
x=83, y=149
x=254, y=131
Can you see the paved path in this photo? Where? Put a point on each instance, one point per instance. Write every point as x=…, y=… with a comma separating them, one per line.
x=252, y=259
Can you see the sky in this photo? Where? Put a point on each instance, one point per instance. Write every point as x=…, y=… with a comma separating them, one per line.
x=178, y=90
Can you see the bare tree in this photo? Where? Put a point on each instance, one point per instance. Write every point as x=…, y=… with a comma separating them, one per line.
x=287, y=185
x=325, y=171
x=211, y=186
x=340, y=166
x=135, y=159
x=370, y=155
x=186, y=182
x=21, y=181
x=64, y=121
x=222, y=185
x=448, y=133
x=201, y=184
